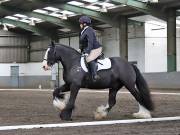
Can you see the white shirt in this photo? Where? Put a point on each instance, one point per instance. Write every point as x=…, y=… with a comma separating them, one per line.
x=84, y=29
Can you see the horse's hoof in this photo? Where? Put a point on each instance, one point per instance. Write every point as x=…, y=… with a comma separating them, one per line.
x=65, y=118
x=65, y=115
x=99, y=116
x=142, y=115
x=100, y=113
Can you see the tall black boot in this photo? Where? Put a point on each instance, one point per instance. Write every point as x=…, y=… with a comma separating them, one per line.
x=93, y=70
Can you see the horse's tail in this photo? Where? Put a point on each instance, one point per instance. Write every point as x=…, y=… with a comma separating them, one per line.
x=143, y=90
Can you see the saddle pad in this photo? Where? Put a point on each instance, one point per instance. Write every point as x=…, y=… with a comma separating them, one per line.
x=102, y=64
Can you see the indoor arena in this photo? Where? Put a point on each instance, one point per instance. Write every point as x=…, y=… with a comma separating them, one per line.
x=89, y=67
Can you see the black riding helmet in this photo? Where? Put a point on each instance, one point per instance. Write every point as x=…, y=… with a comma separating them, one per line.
x=85, y=19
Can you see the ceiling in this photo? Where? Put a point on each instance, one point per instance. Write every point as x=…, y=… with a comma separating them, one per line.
x=44, y=17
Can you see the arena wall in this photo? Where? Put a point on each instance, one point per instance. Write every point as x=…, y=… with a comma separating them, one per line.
x=31, y=75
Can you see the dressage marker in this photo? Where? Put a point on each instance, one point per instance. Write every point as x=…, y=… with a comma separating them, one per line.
x=93, y=123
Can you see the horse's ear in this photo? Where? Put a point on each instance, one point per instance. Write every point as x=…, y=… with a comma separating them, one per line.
x=52, y=44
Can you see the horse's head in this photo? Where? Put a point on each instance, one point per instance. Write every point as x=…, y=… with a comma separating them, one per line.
x=50, y=57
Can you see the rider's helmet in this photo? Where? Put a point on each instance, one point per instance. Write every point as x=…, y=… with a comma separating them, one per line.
x=85, y=19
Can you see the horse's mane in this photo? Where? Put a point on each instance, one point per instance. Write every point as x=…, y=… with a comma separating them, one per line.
x=68, y=48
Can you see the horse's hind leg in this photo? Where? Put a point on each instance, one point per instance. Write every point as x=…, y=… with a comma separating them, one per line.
x=143, y=112
x=102, y=111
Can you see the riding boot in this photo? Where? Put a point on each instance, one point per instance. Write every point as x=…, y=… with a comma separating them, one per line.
x=93, y=70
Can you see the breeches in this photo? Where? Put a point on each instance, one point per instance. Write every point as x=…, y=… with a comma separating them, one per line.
x=94, y=54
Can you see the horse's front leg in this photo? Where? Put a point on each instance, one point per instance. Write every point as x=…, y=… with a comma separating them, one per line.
x=59, y=98
x=58, y=92
x=67, y=111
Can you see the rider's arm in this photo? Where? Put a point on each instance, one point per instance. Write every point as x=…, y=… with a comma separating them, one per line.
x=90, y=36
x=80, y=44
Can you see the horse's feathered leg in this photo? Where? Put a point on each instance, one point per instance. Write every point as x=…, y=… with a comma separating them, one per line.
x=102, y=111
x=144, y=91
x=146, y=113
x=67, y=112
x=112, y=98
x=146, y=105
x=58, y=91
x=59, y=98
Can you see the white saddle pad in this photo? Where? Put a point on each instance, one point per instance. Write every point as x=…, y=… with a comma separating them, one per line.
x=102, y=64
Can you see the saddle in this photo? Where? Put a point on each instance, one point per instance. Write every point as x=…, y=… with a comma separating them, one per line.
x=102, y=63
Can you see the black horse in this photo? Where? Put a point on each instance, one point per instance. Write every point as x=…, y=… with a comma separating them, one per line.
x=122, y=73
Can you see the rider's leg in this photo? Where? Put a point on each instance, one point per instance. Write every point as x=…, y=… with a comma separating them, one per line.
x=91, y=62
x=93, y=70
x=94, y=54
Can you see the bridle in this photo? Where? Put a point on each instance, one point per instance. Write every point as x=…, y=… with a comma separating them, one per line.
x=54, y=56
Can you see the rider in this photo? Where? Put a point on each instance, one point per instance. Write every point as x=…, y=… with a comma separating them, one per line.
x=89, y=45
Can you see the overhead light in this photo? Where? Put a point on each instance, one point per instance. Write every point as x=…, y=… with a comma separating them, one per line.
x=91, y=1
x=151, y=1
x=25, y=21
x=11, y=17
x=55, y=14
x=51, y=9
x=76, y=3
x=65, y=30
x=10, y=25
x=36, y=19
x=2, y=1
x=20, y=16
x=103, y=9
x=106, y=4
x=64, y=16
x=104, y=26
x=5, y=27
x=154, y=1
x=67, y=12
x=40, y=11
x=93, y=7
x=32, y=22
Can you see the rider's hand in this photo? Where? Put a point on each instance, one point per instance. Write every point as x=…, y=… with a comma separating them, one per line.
x=86, y=54
x=79, y=50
